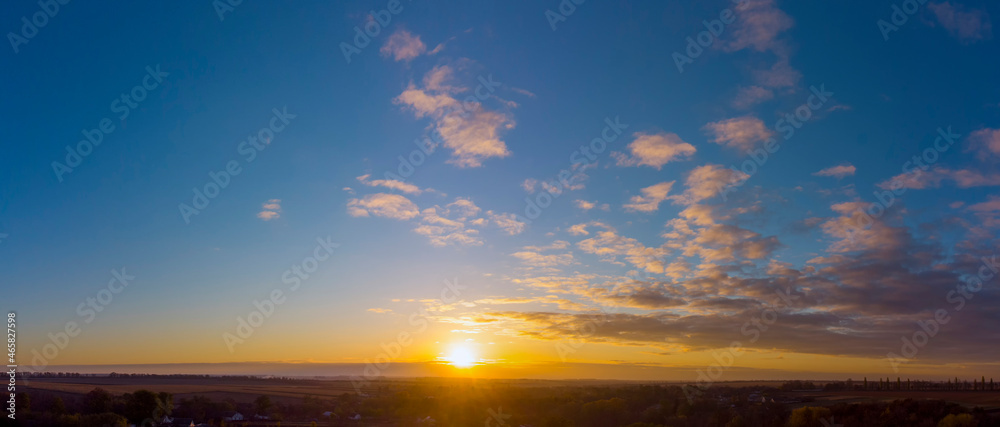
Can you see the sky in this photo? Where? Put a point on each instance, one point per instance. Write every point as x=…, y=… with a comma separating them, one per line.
x=609, y=189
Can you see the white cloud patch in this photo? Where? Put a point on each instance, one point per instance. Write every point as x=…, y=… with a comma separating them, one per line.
x=963, y=23
x=986, y=143
x=443, y=231
x=383, y=205
x=741, y=132
x=578, y=230
x=650, y=199
x=609, y=245
x=918, y=179
x=457, y=223
x=471, y=132
x=535, y=259
x=393, y=184
x=586, y=205
x=838, y=171
x=403, y=46
x=758, y=25
x=655, y=150
x=507, y=222
x=558, y=244
x=270, y=210
x=707, y=181
x=529, y=185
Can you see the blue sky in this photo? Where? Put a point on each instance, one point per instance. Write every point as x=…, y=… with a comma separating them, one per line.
x=661, y=259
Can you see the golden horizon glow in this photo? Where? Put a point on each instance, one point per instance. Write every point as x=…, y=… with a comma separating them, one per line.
x=462, y=356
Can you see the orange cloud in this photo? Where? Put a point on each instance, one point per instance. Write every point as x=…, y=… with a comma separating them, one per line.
x=655, y=150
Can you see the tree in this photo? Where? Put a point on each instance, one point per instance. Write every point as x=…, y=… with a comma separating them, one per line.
x=960, y=420
x=165, y=404
x=97, y=401
x=261, y=404
x=808, y=416
x=604, y=412
x=107, y=419
x=58, y=406
x=145, y=404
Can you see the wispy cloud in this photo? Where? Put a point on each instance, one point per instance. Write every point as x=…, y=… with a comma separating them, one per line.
x=610, y=246
x=403, y=46
x=838, y=171
x=586, y=205
x=457, y=223
x=393, y=184
x=650, y=199
x=935, y=176
x=741, y=132
x=529, y=185
x=472, y=134
x=986, y=143
x=749, y=96
x=383, y=205
x=536, y=259
x=759, y=26
x=707, y=181
x=270, y=210
x=965, y=24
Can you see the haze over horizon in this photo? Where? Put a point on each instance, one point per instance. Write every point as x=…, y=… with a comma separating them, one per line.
x=612, y=190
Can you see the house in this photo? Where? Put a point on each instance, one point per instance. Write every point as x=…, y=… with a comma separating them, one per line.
x=232, y=416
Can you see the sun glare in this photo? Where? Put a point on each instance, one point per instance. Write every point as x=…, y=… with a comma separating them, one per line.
x=461, y=357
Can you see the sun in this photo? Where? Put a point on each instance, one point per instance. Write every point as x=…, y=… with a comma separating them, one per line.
x=461, y=357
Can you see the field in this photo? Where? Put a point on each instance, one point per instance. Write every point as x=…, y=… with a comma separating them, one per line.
x=986, y=400
x=294, y=390
x=214, y=388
